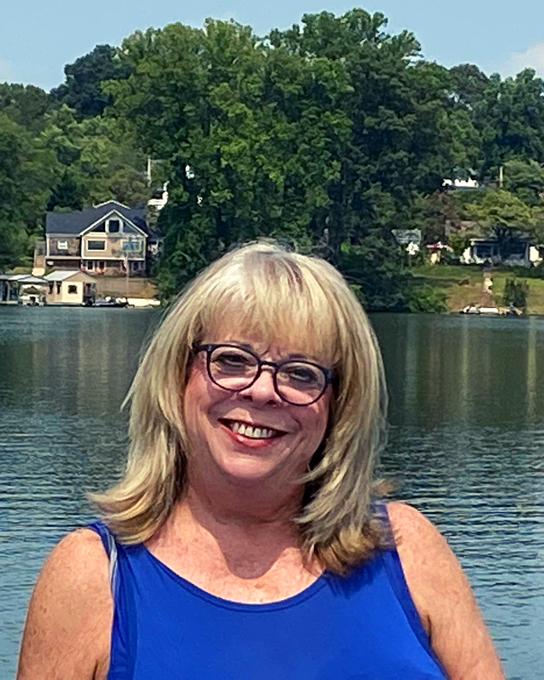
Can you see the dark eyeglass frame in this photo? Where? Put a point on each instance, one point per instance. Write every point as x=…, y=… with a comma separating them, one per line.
x=276, y=365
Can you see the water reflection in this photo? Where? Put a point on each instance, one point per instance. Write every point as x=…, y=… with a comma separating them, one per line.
x=463, y=369
x=467, y=436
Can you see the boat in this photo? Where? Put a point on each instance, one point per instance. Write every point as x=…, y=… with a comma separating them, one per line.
x=491, y=311
x=110, y=302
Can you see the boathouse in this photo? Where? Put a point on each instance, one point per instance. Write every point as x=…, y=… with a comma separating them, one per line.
x=12, y=284
x=70, y=287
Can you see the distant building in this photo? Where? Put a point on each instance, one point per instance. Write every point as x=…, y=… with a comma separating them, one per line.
x=106, y=239
x=70, y=288
x=520, y=252
x=461, y=184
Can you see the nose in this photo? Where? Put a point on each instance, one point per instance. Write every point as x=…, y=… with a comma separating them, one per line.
x=262, y=390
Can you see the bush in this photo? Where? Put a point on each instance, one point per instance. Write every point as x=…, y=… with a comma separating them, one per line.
x=525, y=272
x=426, y=299
x=515, y=293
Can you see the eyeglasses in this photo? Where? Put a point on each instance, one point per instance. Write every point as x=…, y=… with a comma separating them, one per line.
x=300, y=383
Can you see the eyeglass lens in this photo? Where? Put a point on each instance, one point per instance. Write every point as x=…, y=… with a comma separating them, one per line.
x=297, y=382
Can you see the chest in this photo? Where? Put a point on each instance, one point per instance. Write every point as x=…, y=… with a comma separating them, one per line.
x=332, y=629
x=244, y=580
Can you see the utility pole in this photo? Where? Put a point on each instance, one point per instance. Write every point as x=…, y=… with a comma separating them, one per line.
x=127, y=275
x=501, y=176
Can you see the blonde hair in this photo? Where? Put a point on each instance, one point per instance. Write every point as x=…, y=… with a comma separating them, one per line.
x=294, y=298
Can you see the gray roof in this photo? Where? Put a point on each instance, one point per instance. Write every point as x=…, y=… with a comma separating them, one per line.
x=23, y=278
x=62, y=275
x=73, y=223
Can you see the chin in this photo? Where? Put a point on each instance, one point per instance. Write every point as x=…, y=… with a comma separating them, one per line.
x=245, y=469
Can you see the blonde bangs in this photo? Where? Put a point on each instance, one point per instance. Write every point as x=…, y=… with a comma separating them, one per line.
x=271, y=298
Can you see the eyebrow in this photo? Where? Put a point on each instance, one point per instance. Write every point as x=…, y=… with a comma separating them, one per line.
x=293, y=355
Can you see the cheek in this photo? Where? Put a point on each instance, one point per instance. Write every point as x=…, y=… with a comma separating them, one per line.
x=316, y=425
x=199, y=402
x=193, y=400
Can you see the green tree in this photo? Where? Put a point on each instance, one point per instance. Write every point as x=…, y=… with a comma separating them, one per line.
x=99, y=160
x=24, y=104
x=510, y=119
x=82, y=90
x=503, y=215
x=525, y=179
x=252, y=136
x=516, y=293
x=26, y=178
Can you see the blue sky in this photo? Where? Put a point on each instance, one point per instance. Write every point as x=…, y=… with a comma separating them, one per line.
x=38, y=38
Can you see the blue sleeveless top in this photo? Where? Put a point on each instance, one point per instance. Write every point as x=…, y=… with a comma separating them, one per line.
x=363, y=626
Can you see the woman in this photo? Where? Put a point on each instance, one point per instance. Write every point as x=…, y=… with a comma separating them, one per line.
x=246, y=539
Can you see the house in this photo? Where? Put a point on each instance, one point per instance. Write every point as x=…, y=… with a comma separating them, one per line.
x=70, y=287
x=480, y=251
x=106, y=239
x=516, y=252
x=458, y=183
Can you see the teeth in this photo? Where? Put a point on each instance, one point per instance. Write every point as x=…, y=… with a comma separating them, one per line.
x=252, y=432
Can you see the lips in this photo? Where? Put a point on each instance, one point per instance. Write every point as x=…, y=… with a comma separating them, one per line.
x=228, y=422
x=249, y=443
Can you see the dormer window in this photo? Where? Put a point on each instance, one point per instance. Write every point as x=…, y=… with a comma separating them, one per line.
x=114, y=226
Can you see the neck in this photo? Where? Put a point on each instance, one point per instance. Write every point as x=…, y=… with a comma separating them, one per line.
x=246, y=544
x=243, y=510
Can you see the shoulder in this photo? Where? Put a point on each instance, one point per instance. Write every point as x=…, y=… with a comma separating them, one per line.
x=424, y=554
x=82, y=545
x=415, y=534
x=70, y=611
x=77, y=566
x=443, y=597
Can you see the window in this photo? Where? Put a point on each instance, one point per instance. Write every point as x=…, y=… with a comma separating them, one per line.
x=101, y=265
x=114, y=226
x=90, y=265
x=135, y=266
x=96, y=245
x=132, y=245
x=62, y=245
x=59, y=284
x=72, y=290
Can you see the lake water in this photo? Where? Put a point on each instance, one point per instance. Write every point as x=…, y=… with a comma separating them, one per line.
x=466, y=447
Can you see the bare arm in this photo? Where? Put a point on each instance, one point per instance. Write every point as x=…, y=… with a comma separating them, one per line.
x=443, y=598
x=69, y=618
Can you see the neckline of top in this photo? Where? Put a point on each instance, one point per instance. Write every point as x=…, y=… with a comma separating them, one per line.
x=197, y=591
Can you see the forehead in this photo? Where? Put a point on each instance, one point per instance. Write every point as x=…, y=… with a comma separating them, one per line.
x=255, y=309
x=278, y=343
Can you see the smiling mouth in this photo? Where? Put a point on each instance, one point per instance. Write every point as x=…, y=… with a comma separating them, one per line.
x=251, y=431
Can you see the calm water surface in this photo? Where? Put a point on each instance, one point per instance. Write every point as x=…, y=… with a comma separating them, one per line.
x=466, y=447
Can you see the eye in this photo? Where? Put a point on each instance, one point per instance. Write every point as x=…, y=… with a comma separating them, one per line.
x=302, y=374
x=231, y=359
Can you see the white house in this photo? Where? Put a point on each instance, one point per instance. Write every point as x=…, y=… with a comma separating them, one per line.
x=461, y=184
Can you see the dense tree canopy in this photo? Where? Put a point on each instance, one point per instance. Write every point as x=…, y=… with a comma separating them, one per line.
x=327, y=135
x=26, y=175
x=82, y=90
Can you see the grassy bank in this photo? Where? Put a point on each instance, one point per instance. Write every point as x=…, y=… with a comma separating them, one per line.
x=463, y=286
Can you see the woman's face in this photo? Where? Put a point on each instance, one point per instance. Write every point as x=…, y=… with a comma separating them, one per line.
x=213, y=414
